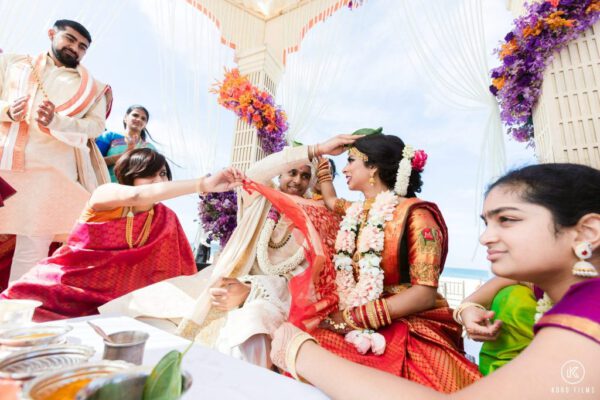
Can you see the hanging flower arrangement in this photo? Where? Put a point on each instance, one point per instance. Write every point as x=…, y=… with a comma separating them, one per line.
x=218, y=211
x=545, y=28
x=218, y=215
x=256, y=107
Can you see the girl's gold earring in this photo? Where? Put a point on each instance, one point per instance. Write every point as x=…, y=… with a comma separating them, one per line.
x=372, y=181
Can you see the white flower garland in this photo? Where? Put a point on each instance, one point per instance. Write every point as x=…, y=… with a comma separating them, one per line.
x=262, y=253
x=370, y=245
x=544, y=304
x=404, y=170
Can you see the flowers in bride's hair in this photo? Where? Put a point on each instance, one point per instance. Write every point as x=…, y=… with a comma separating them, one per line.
x=370, y=238
x=419, y=160
x=403, y=177
x=408, y=152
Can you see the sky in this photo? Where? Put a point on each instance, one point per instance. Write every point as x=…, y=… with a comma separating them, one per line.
x=165, y=55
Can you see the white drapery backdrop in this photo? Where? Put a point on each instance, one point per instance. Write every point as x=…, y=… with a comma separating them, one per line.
x=304, y=90
x=21, y=18
x=191, y=112
x=447, y=45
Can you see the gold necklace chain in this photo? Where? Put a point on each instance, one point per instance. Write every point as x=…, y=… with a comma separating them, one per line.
x=286, y=237
x=144, y=233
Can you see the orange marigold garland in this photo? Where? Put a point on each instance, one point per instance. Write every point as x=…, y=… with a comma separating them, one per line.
x=256, y=107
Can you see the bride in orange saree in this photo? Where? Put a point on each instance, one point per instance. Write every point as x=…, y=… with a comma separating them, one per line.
x=390, y=252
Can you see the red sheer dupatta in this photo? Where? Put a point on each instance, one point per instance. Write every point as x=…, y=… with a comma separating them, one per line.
x=313, y=292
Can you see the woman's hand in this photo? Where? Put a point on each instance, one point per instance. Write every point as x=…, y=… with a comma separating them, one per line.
x=281, y=340
x=337, y=144
x=223, y=181
x=228, y=293
x=478, y=324
x=335, y=323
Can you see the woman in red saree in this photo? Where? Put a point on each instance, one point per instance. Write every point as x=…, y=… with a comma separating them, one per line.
x=124, y=240
x=390, y=253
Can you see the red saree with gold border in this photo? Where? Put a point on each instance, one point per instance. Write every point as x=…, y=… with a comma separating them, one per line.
x=425, y=347
x=96, y=265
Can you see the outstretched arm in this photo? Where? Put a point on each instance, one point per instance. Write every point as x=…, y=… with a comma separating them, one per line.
x=113, y=195
x=535, y=374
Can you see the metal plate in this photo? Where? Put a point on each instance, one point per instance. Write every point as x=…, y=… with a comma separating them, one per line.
x=36, y=335
x=30, y=363
x=45, y=385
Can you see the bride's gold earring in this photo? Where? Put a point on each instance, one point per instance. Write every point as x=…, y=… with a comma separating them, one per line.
x=372, y=181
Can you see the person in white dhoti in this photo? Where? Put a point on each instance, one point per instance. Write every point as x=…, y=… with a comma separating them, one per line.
x=246, y=295
x=50, y=108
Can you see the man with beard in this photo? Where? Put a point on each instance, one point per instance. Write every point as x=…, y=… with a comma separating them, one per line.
x=50, y=108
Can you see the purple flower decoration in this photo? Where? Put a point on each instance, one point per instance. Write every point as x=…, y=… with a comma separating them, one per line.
x=526, y=52
x=218, y=215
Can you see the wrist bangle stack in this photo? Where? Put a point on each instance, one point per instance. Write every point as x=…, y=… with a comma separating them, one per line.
x=291, y=352
x=323, y=172
x=372, y=316
x=461, y=307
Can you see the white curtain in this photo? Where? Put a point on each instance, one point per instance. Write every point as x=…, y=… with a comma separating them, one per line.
x=304, y=90
x=446, y=43
x=192, y=114
x=23, y=17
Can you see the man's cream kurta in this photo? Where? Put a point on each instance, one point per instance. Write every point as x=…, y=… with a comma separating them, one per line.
x=49, y=199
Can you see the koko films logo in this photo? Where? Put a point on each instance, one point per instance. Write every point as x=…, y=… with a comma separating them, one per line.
x=572, y=373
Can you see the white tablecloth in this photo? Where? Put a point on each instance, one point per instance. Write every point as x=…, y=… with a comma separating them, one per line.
x=215, y=375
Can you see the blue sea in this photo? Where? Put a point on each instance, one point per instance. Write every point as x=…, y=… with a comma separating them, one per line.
x=467, y=273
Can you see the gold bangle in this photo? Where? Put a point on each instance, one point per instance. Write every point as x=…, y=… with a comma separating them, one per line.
x=372, y=319
x=379, y=313
x=349, y=320
x=386, y=311
x=311, y=153
x=461, y=307
x=291, y=352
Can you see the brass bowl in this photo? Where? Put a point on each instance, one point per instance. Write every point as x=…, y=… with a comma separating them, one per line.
x=43, y=386
x=128, y=385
